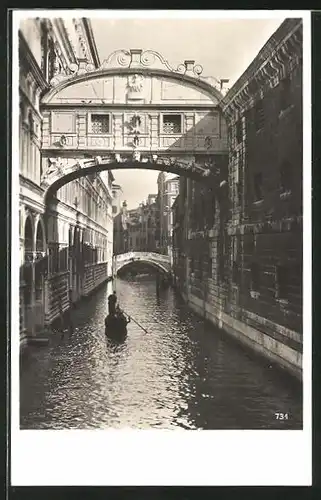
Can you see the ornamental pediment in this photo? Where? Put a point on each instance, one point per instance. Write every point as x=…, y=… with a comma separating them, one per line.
x=132, y=75
x=131, y=89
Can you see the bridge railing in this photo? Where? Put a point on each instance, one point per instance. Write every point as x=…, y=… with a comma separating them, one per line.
x=142, y=255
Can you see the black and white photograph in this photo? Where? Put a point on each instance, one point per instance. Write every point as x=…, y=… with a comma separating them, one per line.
x=158, y=179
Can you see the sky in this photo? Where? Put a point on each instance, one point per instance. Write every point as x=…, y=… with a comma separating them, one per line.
x=224, y=48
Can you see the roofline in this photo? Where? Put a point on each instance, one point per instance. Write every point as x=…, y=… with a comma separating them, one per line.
x=100, y=73
x=91, y=41
x=287, y=27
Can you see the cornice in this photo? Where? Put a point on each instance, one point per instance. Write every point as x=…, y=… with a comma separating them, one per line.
x=89, y=74
x=272, y=62
x=59, y=23
x=91, y=41
x=33, y=186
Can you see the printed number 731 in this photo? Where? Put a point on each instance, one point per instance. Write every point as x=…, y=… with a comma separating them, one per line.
x=281, y=416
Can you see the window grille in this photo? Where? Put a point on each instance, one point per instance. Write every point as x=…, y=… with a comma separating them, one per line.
x=100, y=124
x=258, y=186
x=172, y=124
x=235, y=272
x=281, y=282
x=285, y=93
x=239, y=131
x=259, y=115
x=285, y=177
x=255, y=281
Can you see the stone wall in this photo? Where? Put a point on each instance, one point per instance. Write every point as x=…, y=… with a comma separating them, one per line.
x=244, y=248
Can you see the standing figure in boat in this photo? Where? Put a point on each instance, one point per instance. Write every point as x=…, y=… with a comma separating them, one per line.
x=112, y=301
x=121, y=317
x=116, y=322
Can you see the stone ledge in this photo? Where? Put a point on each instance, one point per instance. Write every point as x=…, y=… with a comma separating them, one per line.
x=274, y=349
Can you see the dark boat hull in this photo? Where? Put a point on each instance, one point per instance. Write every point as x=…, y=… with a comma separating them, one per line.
x=115, y=328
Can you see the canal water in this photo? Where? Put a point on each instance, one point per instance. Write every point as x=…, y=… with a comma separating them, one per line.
x=183, y=373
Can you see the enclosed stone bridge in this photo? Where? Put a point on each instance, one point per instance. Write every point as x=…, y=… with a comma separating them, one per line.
x=156, y=260
x=135, y=111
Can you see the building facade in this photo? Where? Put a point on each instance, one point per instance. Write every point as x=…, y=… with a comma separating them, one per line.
x=135, y=230
x=65, y=245
x=238, y=249
x=168, y=188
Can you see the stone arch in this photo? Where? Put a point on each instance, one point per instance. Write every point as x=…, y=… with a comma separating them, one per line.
x=152, y=264
x=27, y=270
x=206, y=172
x=40, y=242
x=29, y=238
x=41, y=262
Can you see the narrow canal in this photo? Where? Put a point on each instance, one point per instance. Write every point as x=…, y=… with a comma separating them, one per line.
x=183, y=373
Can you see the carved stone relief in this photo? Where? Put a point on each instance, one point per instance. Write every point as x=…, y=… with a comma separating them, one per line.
x=135, y=87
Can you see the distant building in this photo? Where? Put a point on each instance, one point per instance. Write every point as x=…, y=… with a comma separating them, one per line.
x=117, y=193
x=168, y=189
x=135, y=229
x=151, y=199
x=121, y=230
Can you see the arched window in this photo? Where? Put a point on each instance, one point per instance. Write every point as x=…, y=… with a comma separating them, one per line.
x=28, y=255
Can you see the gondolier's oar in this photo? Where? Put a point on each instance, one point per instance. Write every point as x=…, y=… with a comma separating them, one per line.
x=138, y=324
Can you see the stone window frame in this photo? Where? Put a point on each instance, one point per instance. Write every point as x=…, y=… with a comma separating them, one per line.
x=281, y=292
x=285, y=179
x=168, y=113
x=259, y=115
x=99, y=113
x=258, y=199
x=210, y=267
x=239, y=130
x=285, y=85
x=255, y=280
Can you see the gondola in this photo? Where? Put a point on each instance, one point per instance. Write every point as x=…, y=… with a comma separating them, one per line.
x=116, y=326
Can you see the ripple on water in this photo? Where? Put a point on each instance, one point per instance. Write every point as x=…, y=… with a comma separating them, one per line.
x=181, y=374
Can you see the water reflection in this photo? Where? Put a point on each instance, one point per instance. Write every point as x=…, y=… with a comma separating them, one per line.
x=181, y=373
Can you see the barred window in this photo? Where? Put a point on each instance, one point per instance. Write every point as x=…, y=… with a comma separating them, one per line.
x=285, y=177
x=285, y=93
x=238, y=131
x=255, y=277
x=259, y=115
x=172, y=124
x=235, y=272
x=100, y=124
x=282, y=277
x=258, y=186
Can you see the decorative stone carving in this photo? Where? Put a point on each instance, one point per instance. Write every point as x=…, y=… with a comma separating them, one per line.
x=54, y=166
x=136, y=155
x=135, y=87
x=131, y=59
x=58, y=167
x=135, y=83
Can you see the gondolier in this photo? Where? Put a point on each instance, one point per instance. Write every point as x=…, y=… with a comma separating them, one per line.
x=112, y=301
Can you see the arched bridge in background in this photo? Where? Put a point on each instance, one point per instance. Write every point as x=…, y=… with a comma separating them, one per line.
x=156, y=260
